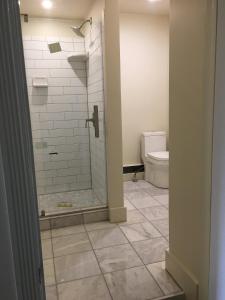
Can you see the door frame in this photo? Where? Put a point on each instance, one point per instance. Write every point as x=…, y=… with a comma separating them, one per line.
x=17, y=178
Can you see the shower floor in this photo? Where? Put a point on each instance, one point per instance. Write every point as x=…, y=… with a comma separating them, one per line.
x=68, y=201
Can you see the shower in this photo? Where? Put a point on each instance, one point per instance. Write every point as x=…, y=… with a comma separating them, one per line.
x=77, y=29
x=70, y=158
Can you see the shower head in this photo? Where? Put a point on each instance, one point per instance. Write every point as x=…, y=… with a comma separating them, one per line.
x=77, y=29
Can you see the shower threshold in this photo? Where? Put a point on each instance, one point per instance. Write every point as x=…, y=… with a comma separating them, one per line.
x=72, y=218
x=66, y=202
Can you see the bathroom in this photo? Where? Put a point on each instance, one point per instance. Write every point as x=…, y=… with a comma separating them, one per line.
x=144, y=45
x=85, y=149
x=70, y=99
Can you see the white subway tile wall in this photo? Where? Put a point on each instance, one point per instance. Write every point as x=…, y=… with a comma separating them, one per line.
x=95, y=84
x=58, y=114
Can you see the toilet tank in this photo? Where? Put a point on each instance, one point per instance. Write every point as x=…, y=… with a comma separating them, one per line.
x=152, y=141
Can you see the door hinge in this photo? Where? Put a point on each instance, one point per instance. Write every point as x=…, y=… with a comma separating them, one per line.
x=40, y=274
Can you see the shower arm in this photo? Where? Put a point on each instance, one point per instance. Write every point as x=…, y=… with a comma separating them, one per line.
x=86, y=21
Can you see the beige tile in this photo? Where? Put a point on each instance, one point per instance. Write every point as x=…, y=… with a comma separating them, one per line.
x=155, y=213
x=44, y=224
x=151, y=189
x=76, y=266
x=154, y=191
x=49, y=272
x=107, y=237
x=69, y=244
x=96, y=216
x=67, y=230
x=99, y=226
x=134, y=216
x=130, y=186
x=140, y=232
x=64, y=221
x=151, y=251
x=139, y=194
x=51, y=293
x=47, y=248
x=45, y=234
x=92, y=288
x=162, y=226
x=142, y=202
x=163, y=278
x=117, y=258
x=128, y=205
x=142, y=184
x=132, y=284
x=163, y=200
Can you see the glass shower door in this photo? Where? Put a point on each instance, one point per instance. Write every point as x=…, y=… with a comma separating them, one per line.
x=63, y=91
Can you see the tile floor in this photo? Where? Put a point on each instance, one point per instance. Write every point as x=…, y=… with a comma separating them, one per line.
x=75, y=200
x=101, y=261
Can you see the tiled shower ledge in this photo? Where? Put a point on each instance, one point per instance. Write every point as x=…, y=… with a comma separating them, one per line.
x=76, y=201
x=73, y=218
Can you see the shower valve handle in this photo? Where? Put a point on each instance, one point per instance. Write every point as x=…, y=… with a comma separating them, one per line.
x=87, y=121
x=94, y=120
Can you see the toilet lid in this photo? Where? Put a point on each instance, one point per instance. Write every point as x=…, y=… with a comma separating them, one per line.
x=164, y=155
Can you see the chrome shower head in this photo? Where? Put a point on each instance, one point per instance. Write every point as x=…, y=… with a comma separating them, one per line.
x=77, y=29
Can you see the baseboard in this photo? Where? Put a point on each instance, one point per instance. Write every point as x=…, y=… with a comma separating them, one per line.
x=179, y=296
x=183, y=276
x=118, y=214
x=133, y=168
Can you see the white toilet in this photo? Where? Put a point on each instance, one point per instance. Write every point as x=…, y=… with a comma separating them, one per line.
x=155, y=158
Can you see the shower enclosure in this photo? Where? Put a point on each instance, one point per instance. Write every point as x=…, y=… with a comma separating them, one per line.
x=66, y=96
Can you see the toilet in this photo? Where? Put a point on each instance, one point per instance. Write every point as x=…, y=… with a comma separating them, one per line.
x=155, y=158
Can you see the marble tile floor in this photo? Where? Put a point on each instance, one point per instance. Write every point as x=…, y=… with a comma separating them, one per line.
x=113, y=261
x=68, y=201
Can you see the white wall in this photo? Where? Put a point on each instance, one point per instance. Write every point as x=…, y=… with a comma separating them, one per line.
x=192, y=58
x=144, y=43
x=117, y=211
x=48, y=27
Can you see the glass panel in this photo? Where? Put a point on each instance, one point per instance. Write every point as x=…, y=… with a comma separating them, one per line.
x=65, y=82
x=95, y=83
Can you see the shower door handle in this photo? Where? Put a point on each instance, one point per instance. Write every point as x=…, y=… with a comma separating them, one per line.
x=94, y=120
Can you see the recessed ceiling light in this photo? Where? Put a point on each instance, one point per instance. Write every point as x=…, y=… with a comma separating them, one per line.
x=154, y=0
x=47, y=4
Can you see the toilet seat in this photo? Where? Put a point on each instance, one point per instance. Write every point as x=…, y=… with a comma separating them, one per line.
x=155, y=158
x=159, y=156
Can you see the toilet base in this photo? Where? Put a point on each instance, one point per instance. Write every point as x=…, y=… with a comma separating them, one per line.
x=157, y=174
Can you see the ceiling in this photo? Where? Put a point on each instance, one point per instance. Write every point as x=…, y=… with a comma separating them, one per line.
x=160, y=7
x=64, y=9
x=78, y=9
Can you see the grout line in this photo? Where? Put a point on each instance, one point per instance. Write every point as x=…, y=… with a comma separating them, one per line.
x=150, y=221
x=145, y=266
x=143, y=260
x=57, y=292
x=98, y=263
x=163, y=235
